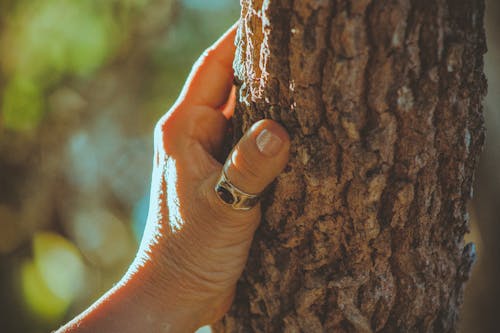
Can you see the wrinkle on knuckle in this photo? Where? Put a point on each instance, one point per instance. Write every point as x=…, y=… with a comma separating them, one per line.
x=247, y=169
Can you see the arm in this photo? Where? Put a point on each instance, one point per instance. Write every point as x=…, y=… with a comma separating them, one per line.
x=129, y=307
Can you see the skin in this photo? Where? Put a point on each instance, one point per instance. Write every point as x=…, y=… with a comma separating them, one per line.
x=194, y=246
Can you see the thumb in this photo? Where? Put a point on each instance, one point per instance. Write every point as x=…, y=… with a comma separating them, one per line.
x=260, y=155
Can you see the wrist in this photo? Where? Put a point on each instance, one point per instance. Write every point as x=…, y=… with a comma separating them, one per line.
x=133, y=305
x=159, y=303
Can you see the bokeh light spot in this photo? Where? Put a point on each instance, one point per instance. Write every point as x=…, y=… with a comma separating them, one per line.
x=38, y=297
x=60, y=264
x=54, y=278
x=102, y=237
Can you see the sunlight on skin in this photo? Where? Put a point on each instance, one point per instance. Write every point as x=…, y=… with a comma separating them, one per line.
x=173, y=204
x=194, y=246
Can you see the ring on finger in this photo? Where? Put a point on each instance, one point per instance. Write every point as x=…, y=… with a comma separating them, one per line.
x=234, y=197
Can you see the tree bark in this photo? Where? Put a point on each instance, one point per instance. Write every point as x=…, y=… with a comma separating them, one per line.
x=363, y=231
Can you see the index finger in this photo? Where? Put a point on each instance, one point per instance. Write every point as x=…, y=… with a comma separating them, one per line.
x=210, y=80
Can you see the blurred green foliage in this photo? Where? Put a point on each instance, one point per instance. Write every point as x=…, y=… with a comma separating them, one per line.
x=46, y=40
x=82, y=84
x=200, y=22
x=48, y=293
x=22, y=103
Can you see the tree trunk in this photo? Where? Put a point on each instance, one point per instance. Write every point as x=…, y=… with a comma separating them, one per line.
x=363, y=231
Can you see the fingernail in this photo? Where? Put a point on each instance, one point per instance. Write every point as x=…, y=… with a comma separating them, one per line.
x=268, y=143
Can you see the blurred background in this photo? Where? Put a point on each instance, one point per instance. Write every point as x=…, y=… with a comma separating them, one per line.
x=82, y=84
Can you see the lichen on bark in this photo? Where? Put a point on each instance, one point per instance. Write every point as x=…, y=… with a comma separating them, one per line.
x=363, y=231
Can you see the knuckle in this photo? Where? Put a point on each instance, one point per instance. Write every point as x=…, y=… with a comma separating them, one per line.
x=164, y=132
x=205, y=57
x=208, y=54
x=248, y=170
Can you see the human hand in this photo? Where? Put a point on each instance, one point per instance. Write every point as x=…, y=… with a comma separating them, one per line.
x=195, y=246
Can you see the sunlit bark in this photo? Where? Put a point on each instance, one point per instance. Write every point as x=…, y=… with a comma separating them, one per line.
x=363, y=232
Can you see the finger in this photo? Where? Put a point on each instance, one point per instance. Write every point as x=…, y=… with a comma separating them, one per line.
x=254, y=163
x=260, y=155
x=228, y=108
x=202, y=110
x=210, y=80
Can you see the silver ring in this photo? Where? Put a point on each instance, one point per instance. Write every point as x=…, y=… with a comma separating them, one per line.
x=233, y=196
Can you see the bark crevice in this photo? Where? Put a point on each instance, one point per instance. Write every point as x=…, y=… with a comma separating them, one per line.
x=363, y=231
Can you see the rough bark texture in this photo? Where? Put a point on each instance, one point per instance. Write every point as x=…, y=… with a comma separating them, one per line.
x=363, y=232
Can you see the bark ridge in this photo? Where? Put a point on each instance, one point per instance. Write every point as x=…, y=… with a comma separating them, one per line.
x=363, y=232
